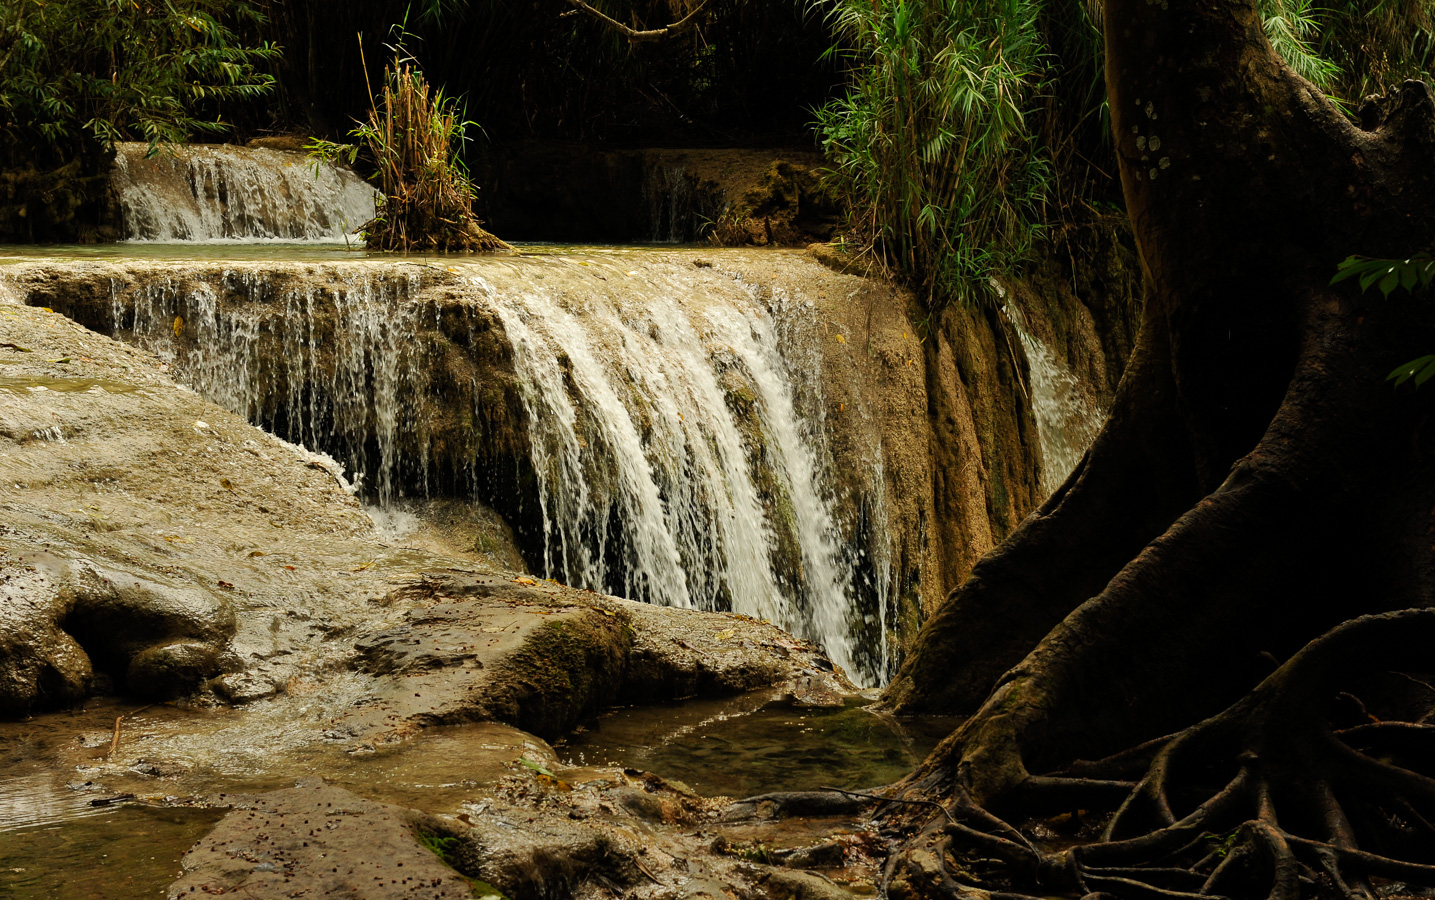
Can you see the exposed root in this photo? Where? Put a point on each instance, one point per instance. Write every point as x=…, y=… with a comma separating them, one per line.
x=1267, y=799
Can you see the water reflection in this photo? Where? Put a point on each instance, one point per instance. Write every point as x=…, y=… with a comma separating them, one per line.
x=743, y=747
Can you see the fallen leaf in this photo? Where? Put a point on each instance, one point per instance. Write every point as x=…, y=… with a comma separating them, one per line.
x=726, y=635
x=530, y=764
x=553, y=782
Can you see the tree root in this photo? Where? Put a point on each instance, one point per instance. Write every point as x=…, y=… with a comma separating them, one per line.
x=1266, y=799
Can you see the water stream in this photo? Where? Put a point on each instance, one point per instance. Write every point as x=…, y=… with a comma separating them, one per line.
x=1067, y=417
x=674, y=415
x=225, y=193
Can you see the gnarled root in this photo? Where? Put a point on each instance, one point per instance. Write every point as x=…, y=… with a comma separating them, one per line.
x=1296, y=790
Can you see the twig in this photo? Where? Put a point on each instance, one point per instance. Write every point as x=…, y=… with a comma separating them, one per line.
x=632, y=34
x=114, y=744
x=644, y=869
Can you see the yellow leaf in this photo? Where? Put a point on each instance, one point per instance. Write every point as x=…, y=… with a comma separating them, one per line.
x=726, y=635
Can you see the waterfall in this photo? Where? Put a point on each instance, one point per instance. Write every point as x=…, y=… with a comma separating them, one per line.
x=224, y=193
x=674, y=416
x=1067, y=419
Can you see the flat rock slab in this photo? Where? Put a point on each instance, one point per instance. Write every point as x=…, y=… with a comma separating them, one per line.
x=318, y=841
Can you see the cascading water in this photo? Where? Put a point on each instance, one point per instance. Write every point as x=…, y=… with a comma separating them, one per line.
x=327, y=371
x=224, y=193
x=1067, y=420
x=674, y=418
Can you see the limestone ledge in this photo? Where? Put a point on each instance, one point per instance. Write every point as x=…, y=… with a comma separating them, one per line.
x=158, y=545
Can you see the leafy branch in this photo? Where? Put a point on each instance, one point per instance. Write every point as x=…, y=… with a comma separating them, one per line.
x=1389, y=275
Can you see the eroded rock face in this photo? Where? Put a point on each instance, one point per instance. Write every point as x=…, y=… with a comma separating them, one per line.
x=41, y=666
x=160, y=639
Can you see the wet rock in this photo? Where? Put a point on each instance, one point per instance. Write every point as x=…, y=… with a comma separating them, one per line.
x=246, y=687
x=801, y=886
x=66, y=618
x=40, y=665
x=317, y=840
x=543, y=856
x=819, y=690
x=678, y=654
x=569, y=669
x=171, y=670
x=164, y=637
x=150, y=537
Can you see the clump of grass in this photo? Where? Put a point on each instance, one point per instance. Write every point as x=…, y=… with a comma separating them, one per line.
x=931, y=143
x=414, y=137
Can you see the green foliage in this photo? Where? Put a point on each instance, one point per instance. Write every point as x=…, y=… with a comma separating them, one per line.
x=1421, y=369
x=73, y=72
x=414, y=137
x=1221, y=844
x=439, y=846
x=1389, y=275
x=1377, y=43
x=1353, y=48
x=1294, y=28
x=931, y=144
x=530, y=764
x=969, y=125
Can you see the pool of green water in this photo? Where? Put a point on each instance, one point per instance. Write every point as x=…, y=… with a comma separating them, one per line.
x=743, y=747
x=125, y=853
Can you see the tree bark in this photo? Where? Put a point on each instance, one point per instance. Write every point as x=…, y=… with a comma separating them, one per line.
x=1258, y=481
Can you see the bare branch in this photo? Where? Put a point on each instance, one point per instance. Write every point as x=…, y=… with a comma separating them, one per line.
x=632, y=34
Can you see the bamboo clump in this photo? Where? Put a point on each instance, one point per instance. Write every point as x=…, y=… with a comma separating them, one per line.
x=414, y=134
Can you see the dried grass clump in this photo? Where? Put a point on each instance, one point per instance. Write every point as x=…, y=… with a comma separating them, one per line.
x=414, y=134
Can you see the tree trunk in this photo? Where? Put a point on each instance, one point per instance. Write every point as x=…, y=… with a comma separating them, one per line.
x=1258, y=481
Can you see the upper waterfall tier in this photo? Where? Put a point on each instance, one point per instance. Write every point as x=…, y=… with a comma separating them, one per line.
x=225, y=193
